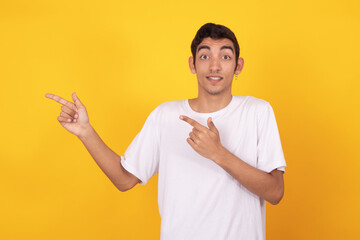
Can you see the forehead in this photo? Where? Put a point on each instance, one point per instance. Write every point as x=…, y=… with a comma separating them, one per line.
x=216, y=43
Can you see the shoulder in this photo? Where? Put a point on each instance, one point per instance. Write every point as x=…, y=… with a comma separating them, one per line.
x=252, y=102
x=256, y=106
x=167, y=108
x=170, y=105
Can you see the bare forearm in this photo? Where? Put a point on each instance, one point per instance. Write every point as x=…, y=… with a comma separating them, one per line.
x=106, y=159
x=263, y=184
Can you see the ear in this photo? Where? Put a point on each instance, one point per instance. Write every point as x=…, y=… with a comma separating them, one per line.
x=191, y=65
x=239, y=66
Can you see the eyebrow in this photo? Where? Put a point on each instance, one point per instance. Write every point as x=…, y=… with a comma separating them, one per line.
x=223, y=47
x=203, y=47
x=227, y=47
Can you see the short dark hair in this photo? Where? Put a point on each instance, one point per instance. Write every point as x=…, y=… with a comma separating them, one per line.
x=214, y=31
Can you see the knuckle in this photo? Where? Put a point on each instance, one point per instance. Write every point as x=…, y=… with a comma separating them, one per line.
x=64, y=108
x=64, y=114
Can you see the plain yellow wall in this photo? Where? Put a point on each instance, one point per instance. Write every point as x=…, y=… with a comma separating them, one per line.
x=125, y=58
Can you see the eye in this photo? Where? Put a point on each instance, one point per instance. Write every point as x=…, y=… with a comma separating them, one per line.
x=226, y=57
x=204, y=57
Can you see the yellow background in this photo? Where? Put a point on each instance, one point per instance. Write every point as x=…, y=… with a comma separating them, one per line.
x=125, y=58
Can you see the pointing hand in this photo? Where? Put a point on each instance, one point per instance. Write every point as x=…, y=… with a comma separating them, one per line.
x=73, y=116
x=205, y=141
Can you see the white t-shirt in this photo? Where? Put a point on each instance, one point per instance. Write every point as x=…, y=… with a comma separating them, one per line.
x=199, y=200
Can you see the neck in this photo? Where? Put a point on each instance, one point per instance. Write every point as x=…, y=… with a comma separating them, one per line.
x=210, y=103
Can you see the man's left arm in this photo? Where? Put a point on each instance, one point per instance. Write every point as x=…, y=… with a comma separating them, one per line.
x=269, y=186
x=206, y=141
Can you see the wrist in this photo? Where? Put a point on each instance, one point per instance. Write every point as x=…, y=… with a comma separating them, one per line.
x=86, y=132
x=220, y=155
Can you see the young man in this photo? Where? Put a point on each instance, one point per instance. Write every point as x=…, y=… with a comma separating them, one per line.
x=218, y=156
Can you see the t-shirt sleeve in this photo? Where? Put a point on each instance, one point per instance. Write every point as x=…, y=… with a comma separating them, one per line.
x=141, y=158
x=269, y=149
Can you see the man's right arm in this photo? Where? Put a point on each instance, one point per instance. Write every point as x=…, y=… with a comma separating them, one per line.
x=108, y=161
x=75, y=119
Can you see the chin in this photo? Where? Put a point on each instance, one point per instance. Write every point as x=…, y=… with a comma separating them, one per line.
x=214, y=92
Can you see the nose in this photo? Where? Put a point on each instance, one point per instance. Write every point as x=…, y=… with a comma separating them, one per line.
x=215, y=65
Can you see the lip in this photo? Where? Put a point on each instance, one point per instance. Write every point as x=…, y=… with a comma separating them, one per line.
x=214, y=80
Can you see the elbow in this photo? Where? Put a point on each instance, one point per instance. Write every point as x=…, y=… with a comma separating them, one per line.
x=275, y=201
x=276, y=192
x=127, y=185
x=277, y=196
x=122, y=188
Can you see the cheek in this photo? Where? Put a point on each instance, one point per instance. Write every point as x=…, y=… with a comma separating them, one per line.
x=230, y=69
x=201, y=65
x=201, y=70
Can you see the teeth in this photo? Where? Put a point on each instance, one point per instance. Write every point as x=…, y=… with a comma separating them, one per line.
x=215, y=78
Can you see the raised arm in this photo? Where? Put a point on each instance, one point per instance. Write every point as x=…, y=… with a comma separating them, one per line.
x=74, y=118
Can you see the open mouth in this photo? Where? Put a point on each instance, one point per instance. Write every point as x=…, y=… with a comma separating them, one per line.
x=214, y=79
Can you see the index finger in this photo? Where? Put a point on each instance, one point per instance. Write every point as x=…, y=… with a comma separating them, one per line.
x=192, y=122
x=61, y=100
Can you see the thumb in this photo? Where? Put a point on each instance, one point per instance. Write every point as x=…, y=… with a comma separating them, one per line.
x=211, y=125
x=77, y=101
